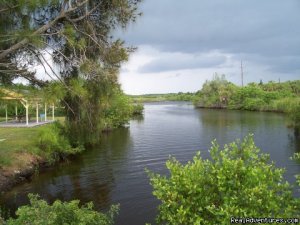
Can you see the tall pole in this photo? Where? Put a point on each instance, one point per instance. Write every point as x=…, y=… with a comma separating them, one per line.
x=27, y=118
x=242, y=73
x=37, y=112
x=16, y=112
x=53, y=112
x=45, y=112
x=6, y=118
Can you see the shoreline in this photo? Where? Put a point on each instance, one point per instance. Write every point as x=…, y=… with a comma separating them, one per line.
x=226, y=108
x=13, y=175
x=10, y=176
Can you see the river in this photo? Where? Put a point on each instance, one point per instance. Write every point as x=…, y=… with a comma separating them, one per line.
x=114, y=171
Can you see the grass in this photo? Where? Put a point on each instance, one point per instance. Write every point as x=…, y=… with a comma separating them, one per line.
x=14, y=141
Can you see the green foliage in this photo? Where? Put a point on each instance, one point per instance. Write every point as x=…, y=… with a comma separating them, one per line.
x=254, y=104
x=296, y=157
x=53, y=143
x=39, y=212
x=294, y=115
x=119, y=110
x=238, y=181
x=78, y=40
x=277, y=97
x=215, y=93
x=283, y=104
x=53, y=92
x=94, y=106
x=259, y=97
x=137, y=109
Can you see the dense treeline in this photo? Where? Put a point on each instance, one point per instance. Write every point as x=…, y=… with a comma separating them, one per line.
x=278, y=97
x=220, y=93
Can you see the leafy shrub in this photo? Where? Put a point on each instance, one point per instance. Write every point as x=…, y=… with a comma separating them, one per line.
x=238, y=181
x=284, y=104
x=215, y=93
x=60, y=213
x=53, y=143
x=137, y=109
x=253, y=104
x=119, y=111
x=257, y=97
x=294, y=115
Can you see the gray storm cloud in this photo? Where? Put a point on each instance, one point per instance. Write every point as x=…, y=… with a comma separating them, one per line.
x=177, y=61
x=269, y=29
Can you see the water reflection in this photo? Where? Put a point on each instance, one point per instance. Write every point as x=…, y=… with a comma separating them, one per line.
x=138, y=118
x=113, y=172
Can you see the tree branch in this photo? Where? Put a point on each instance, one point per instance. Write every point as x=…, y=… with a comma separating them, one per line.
x=42, y=29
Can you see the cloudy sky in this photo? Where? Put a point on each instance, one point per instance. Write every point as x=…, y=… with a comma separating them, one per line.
x=183, y=43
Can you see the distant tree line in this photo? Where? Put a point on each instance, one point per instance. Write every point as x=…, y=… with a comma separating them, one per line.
x=272, y=96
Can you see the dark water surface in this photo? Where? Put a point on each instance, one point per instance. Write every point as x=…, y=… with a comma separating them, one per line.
x=114, y=171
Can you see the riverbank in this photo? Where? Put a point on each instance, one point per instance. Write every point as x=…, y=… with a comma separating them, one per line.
x=12, y=175
x=24, y=151
x=236, y=108
x=17, y=159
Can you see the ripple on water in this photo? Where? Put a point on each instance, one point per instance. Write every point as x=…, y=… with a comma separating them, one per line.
x=114, y=171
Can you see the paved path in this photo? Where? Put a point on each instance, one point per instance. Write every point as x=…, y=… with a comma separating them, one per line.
x=23, y=124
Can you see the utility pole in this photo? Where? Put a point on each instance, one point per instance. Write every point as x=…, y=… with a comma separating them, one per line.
x=242, y=73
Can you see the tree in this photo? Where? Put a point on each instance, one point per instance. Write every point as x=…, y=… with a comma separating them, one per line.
x=215, y=93
x=75, y=35
x=68, y=30
x=238, y=181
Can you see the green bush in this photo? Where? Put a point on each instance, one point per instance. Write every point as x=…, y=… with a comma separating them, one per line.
x=256, y=97
x=253, y=104
x=137, y=109
x=39, y=212
x=53, y=144
x=238, y=181
x=294, y=115
x=119, y=111
x=284, y=104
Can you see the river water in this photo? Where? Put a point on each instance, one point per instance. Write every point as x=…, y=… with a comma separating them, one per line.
x=114, y=171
